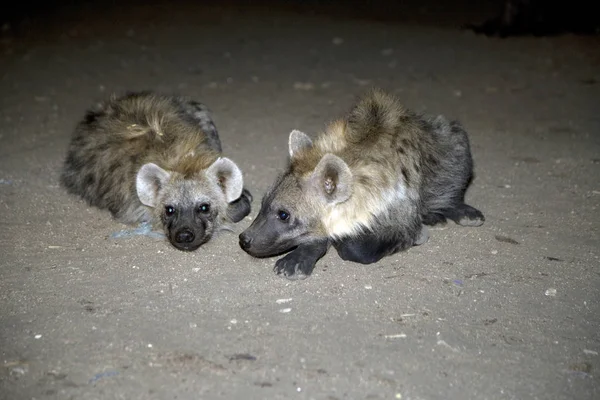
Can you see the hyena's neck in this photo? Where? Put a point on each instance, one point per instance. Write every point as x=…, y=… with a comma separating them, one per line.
x=191, y=163
x=368, y=203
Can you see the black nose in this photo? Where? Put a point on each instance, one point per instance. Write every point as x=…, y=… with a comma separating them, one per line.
x=245, y=241
x=184, y=236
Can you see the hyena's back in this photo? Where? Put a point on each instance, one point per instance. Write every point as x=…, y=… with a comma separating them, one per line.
x=120, y=135
x=431, y=153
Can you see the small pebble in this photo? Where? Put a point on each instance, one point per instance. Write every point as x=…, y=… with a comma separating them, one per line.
x=362, y=82
x=303, y=86
x=38, y=336
x=149, y=345
x=590, y=352
x=368, y=287
x=17, y=371
x=396, y=336
x=281, y=301
x=285, y=310
x=551, y=292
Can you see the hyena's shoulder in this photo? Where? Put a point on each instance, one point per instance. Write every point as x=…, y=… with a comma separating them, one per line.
x=377, y=118
x=373, y=138
x=378, y=131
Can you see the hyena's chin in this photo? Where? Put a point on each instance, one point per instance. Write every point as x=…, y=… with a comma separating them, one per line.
x=265, y=253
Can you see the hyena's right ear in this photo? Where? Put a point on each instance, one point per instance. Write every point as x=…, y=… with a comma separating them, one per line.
x=228, y=176
x=298, y=141
x=149, y=180
x=333, y=179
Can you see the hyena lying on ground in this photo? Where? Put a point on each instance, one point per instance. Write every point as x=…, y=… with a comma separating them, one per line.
x=367, y=186
x=153, y=158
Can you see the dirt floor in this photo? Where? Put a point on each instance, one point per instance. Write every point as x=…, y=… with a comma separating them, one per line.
x=508, y=310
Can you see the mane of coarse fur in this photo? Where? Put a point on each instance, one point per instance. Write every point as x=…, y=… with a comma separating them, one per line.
x=365, y=140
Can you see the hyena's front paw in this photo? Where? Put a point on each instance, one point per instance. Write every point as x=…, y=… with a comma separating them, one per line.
x=469, y=216
x=423, y=236
x=294, y=267
x=240, y=208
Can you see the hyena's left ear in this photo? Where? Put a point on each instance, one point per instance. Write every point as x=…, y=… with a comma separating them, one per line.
x=298, y=141
x=333, y=179
x=228, y=176
x=148, y=182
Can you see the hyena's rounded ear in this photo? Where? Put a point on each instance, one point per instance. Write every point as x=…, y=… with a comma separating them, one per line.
x=333, y=179
x=228, y=176
x=148, y=182
x=298, y=141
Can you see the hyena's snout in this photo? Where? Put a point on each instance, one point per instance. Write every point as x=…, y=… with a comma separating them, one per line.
x=188, y=238
x=245, y=241
x=184, y=236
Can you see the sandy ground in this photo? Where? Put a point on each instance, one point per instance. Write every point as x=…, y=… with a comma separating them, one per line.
x=508, y=310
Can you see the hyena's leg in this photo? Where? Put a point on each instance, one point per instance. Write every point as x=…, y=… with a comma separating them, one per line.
x=370, y=248
x=464, y=215
x=299, y=263
x=433, y=218
x=202, y=115
x=240, y=208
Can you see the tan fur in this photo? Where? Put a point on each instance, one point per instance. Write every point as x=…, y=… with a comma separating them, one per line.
x=373, y=160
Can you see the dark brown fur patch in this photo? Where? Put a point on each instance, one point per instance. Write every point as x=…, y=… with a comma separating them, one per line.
x=407, y=144
x=406, y=175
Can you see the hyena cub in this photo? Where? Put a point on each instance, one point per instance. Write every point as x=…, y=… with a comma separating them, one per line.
x=152, y=158
x=367, y=186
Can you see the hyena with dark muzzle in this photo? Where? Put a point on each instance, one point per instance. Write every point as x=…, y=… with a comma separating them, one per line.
x=152, y=158
x=368, y=186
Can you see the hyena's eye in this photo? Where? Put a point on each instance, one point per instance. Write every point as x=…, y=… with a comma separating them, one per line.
x=169, y=211
x=283, y=215
x=204, y=208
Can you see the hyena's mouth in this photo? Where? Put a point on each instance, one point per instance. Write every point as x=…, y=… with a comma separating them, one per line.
x=262, y=250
